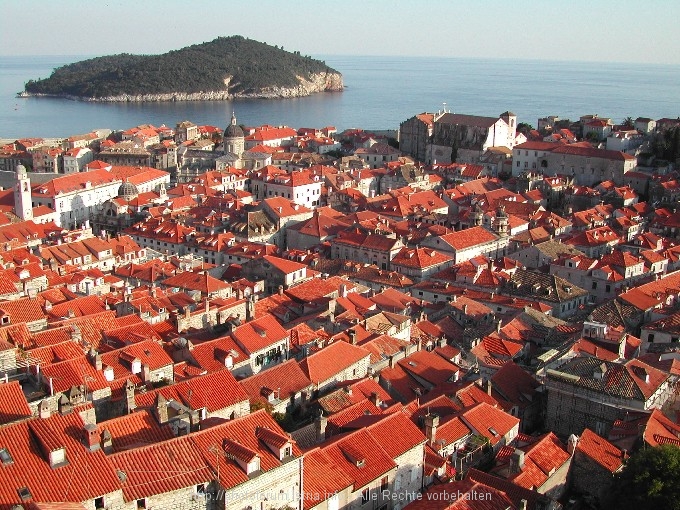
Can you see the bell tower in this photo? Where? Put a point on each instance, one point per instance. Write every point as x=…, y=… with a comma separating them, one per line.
x=23, y=207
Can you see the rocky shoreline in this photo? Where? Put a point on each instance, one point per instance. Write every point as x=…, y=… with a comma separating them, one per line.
x=320, y=82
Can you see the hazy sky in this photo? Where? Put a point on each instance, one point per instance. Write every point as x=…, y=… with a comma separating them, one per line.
x=599, y=30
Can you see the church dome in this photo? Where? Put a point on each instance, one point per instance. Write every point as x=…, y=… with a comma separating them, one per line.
x=127, y=190
x=233, y=130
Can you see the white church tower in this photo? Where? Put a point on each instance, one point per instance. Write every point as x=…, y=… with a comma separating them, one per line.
x=23, y=207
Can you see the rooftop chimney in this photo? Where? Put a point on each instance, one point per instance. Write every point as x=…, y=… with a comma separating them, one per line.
x=431, y=424
x=320, y=424
x=130, y=396
x=517, y=461
x=572, y=443
x=91, y=437
x=161, y=409
x=106, y=442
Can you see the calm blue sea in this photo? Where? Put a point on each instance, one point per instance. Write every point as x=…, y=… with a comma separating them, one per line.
x=381, y=92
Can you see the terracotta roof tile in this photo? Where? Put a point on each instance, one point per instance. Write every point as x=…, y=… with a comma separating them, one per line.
x=330, y=361
x=283, y=380
x=73, y=482
x=259, y=334
x=600, y=450
x=13, y=403
x=322, y=477
x=213, y=392
x=489, y=421
x=133, y=430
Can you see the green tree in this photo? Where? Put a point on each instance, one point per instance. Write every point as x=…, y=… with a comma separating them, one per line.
x=628, y=122
x=650, y=481
x=592, y=136
x=524, y=127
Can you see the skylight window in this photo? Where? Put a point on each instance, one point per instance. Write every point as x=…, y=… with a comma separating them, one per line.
x=24, y=493
x=5, y=457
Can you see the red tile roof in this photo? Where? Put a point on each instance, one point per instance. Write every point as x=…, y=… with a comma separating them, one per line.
x=420, y=258
x=489, y=421
x=133, y=430
x=75, y=182
x=463, y=495
x=600, y=450
x=73, y=372
x=13, y=403
x=211, y=355
x=201, y=281
x=322, y=477
x=213, y=392
x=659, y=429
x=88, y=475
x=259, y=334
x=22, y=310
x=429, y=367
x=542, y=458
x=330, y=361
x=468, y=238
x=592, y=153
x=162, y=467
x=244, y=430
x=360, y=457
x=284, y=380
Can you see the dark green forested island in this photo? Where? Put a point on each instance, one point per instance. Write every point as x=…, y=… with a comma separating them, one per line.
x=225, y=68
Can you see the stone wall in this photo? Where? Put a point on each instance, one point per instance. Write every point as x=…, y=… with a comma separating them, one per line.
x=410, y=473
x=202, y=319
x=239, y=409
x=569, y=413
x=187, y=498
x=278, y=488
x=556, y=485
x=589, y=478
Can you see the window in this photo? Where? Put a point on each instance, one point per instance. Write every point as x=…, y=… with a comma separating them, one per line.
x=383, y=484
x=594, y=285
x=365, y=496
x=141, y=503
x=24, y=493
x=650, y=338
x=5, y=457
